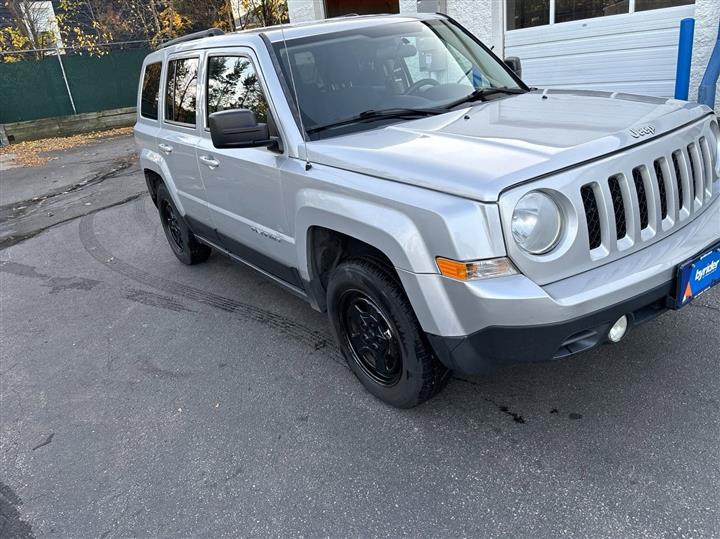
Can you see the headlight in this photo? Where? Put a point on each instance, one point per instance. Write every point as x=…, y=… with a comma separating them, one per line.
x=536, y=223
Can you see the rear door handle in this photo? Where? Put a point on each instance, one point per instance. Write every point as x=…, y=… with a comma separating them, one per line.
x=165, y=147
x=209, y=161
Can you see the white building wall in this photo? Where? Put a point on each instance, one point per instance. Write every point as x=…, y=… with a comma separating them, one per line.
x=484, y=18
x=707, y=17
x=408, y=7
x=475, y=15
x=306, y=10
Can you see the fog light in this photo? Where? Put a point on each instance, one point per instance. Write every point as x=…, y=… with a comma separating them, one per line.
x=618, y=329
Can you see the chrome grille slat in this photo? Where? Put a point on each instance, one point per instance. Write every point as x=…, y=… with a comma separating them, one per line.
x=698, y=173
x=707, y=166
x=653, y=197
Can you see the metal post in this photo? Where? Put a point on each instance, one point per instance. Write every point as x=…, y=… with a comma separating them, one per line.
x=684, y=59
x=708, y=86
x=67, y=86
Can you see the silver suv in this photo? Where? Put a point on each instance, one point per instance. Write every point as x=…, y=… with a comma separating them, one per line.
x=393, y=172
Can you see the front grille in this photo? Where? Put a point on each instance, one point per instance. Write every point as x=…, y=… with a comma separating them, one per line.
x=678, y=179
x=659, y=187
x=642, y=197
x=592, y=215
x=618, y=207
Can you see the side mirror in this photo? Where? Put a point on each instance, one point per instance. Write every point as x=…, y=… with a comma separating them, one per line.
x=513, y=62
x=238, y=128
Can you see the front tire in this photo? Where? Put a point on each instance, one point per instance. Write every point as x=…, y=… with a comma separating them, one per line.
x=187, y=249
x=379, y=335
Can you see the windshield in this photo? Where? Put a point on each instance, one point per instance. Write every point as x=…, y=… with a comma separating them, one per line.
x=399, y=65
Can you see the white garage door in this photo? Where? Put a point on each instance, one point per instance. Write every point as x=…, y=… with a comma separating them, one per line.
x=631, y=52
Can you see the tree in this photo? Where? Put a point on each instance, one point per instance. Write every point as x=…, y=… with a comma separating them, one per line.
x=263, y=13
x=85, y=26
x=31, y=27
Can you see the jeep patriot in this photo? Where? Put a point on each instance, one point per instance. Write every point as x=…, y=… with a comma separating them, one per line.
x=392, y=171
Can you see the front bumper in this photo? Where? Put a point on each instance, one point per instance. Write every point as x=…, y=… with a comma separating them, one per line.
x=479, y=324
x=496, y=346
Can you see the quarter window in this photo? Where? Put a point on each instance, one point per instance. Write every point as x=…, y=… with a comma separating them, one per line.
x=233, y=83
x=181, y=95
x=150, y=91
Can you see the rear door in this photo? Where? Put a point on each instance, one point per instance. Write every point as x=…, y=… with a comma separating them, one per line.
x=179, y=137
x=244, y=185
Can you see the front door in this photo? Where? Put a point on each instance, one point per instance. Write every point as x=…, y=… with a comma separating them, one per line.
x=244, y=185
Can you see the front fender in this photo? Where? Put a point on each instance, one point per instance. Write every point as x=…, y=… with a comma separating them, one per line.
x=386, y=229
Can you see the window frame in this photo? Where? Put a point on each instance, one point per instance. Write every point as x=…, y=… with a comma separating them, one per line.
x=552, y=13
x=195, y=55
x=160, y=100
x=224, y=53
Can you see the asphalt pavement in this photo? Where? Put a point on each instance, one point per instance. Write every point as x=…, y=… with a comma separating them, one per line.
x=140, y=397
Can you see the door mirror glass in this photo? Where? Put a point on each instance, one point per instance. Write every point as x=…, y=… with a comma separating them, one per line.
x=238, y=128
x=513, y=62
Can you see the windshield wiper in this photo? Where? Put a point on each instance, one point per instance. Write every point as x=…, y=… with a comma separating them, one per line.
x=482, y=93
x=372, y=115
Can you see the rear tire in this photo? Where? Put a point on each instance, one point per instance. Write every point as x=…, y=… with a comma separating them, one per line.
x=379, y=335
x=183, y=243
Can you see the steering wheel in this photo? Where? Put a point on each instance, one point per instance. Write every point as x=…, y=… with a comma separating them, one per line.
x=420, y=84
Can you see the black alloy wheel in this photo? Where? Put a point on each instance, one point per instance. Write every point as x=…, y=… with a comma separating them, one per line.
x=372, y=340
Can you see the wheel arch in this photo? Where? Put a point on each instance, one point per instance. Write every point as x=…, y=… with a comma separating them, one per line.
x=324, y=238
x=156, y=171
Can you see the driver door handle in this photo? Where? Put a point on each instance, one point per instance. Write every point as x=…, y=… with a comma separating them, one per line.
x=209, y=162
x=165, y=147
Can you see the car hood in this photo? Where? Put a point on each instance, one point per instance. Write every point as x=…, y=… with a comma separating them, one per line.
x=479, y=151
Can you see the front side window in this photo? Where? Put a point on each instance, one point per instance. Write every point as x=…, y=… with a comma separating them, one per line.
x=398, y=65
x=181, y=94
x=233, y=83
x=150, y=91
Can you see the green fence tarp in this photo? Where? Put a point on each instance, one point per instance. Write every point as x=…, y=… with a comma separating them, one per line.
x=33, y=89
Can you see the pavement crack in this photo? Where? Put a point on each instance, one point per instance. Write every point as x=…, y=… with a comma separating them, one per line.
x=11, y=523
x=14, y=210
x=9, y=241
x=45, y=442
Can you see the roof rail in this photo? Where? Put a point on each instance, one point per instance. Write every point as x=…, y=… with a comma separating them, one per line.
x=210, y=32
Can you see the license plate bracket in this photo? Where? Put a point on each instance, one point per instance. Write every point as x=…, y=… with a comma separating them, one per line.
x=697, y=275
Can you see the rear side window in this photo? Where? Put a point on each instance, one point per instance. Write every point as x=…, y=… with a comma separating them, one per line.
x=181, y=92
x=233, y=84
x=150, y=91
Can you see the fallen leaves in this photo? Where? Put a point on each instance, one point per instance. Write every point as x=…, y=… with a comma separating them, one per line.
x=33, y=153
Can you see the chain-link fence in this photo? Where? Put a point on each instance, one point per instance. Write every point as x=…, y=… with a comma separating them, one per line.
x=44, y=83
